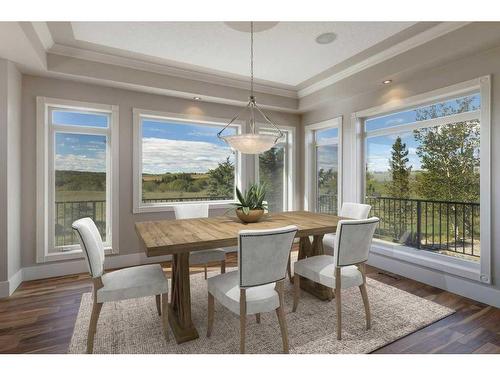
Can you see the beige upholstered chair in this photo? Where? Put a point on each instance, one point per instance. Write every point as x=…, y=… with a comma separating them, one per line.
x=133, y=282
x=351, y=211
x=345, y=269
x=257, y=286
x=192, y=211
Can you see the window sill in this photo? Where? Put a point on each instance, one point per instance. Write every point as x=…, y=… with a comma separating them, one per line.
x=213, y=205
x=443, y=263
x=72, y=254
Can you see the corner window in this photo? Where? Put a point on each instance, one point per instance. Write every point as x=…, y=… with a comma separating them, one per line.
x=181, y=161
x=323, y=166
x=76, y=174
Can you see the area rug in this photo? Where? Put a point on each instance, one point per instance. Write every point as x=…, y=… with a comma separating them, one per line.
x=133, y=326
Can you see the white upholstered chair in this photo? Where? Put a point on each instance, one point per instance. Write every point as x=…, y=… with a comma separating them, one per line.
x=351, y=211
x=257, y=286
x=345, y=269
x=192, y=211
x=126, y=283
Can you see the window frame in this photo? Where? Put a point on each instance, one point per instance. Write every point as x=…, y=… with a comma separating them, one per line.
x=138, y=113
x=46, y=132
x=311, y=183
x=290, y=160
x=478, y=271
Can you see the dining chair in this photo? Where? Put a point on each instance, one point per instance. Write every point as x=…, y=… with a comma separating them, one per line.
x=345, y=269
x=351, y=211
x=257, y=286
x=192, y=211
x=133, y=282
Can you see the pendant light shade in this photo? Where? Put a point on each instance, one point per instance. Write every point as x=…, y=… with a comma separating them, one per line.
x=253, y=142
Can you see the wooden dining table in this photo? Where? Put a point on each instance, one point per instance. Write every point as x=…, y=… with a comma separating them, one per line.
x=180, y=237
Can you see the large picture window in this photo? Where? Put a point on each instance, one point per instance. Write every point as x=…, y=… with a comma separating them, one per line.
x=274, y=168
x=75, y=174
x=182, y=161
x=423, y=176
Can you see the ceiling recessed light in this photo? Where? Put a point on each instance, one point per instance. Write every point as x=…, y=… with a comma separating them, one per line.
x=326, y=38
x=387, y=81
x=196, y=98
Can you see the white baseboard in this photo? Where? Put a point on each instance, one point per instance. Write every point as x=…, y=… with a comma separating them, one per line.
x=464, y=287
x=9, y=286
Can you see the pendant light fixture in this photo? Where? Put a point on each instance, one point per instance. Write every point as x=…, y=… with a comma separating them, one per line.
x=253, y=142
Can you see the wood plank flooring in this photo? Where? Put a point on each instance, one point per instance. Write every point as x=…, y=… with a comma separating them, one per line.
x=40, y=315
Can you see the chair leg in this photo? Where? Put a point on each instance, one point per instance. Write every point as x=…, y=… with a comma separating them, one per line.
x=243, y=319
x=257, y=318
x=223, y=266
x=164, y=314
x=364, y=295
x=205, y=268
x=338, y=302
x=158, y=304
x=211, y=310
x=96, y=310
x=281, y=317
x=296, y=293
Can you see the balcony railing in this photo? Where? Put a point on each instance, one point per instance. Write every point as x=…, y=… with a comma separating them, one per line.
x=440, y=226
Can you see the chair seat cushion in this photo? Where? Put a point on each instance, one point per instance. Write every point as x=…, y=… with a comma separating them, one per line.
x=207, y=256
x=321, y=269
x=329, y=243
x=133, y=282
x=225, y=288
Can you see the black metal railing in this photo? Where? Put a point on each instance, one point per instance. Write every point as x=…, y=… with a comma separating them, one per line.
x=442, y=226
x=327, y=204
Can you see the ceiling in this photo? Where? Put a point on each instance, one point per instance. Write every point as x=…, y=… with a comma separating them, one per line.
x=286, y=55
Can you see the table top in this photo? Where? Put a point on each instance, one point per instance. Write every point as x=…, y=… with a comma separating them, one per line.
x=165, y=237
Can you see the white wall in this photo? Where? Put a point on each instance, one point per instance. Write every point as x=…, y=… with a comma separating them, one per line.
x=10, y=175
x=460, y=70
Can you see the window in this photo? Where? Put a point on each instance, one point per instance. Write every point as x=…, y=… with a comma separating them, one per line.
x=181, y=161
x=426, y=175
x=275, y=168
x=77, y=174
x=323, y=166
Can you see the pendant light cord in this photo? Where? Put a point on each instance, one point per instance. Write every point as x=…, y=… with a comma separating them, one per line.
x=251, y=59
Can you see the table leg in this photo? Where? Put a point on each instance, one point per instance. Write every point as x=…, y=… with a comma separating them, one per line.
x=179, y=314
x=306, y=249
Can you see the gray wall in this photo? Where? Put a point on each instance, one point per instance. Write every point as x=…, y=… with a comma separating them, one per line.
x=126, y=100
x=10, y=169
x=479, y=64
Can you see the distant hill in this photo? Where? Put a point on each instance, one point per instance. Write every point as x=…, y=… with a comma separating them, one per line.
x=77, y=181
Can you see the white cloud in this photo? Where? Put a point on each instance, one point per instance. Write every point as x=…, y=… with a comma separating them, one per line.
x=84, y=163
x=165, y=155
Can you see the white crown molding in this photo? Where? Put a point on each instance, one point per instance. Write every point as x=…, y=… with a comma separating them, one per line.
x=85, y=54
x=397, y=49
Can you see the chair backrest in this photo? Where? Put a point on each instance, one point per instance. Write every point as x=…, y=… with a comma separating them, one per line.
x=355, y=210
x=91, y=243
x=191, y=211
x=263, y=255
x=353, y=241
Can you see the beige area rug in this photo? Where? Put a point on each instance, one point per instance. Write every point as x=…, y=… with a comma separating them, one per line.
x=133, y=326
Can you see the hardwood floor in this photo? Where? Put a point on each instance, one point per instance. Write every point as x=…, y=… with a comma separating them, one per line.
x=40, y=315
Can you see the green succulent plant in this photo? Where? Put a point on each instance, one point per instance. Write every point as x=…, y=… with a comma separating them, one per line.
x=253, y=199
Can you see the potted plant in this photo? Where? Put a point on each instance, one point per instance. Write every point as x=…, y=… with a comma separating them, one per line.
x=251, y=205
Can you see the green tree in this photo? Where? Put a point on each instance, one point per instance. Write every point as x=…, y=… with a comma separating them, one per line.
x=221, y=180
x=449, y=155
x=399, y=186
x=271, y=164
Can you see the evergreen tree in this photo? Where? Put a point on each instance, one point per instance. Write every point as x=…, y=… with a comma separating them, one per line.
x=221, y=180
x=399, y=186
